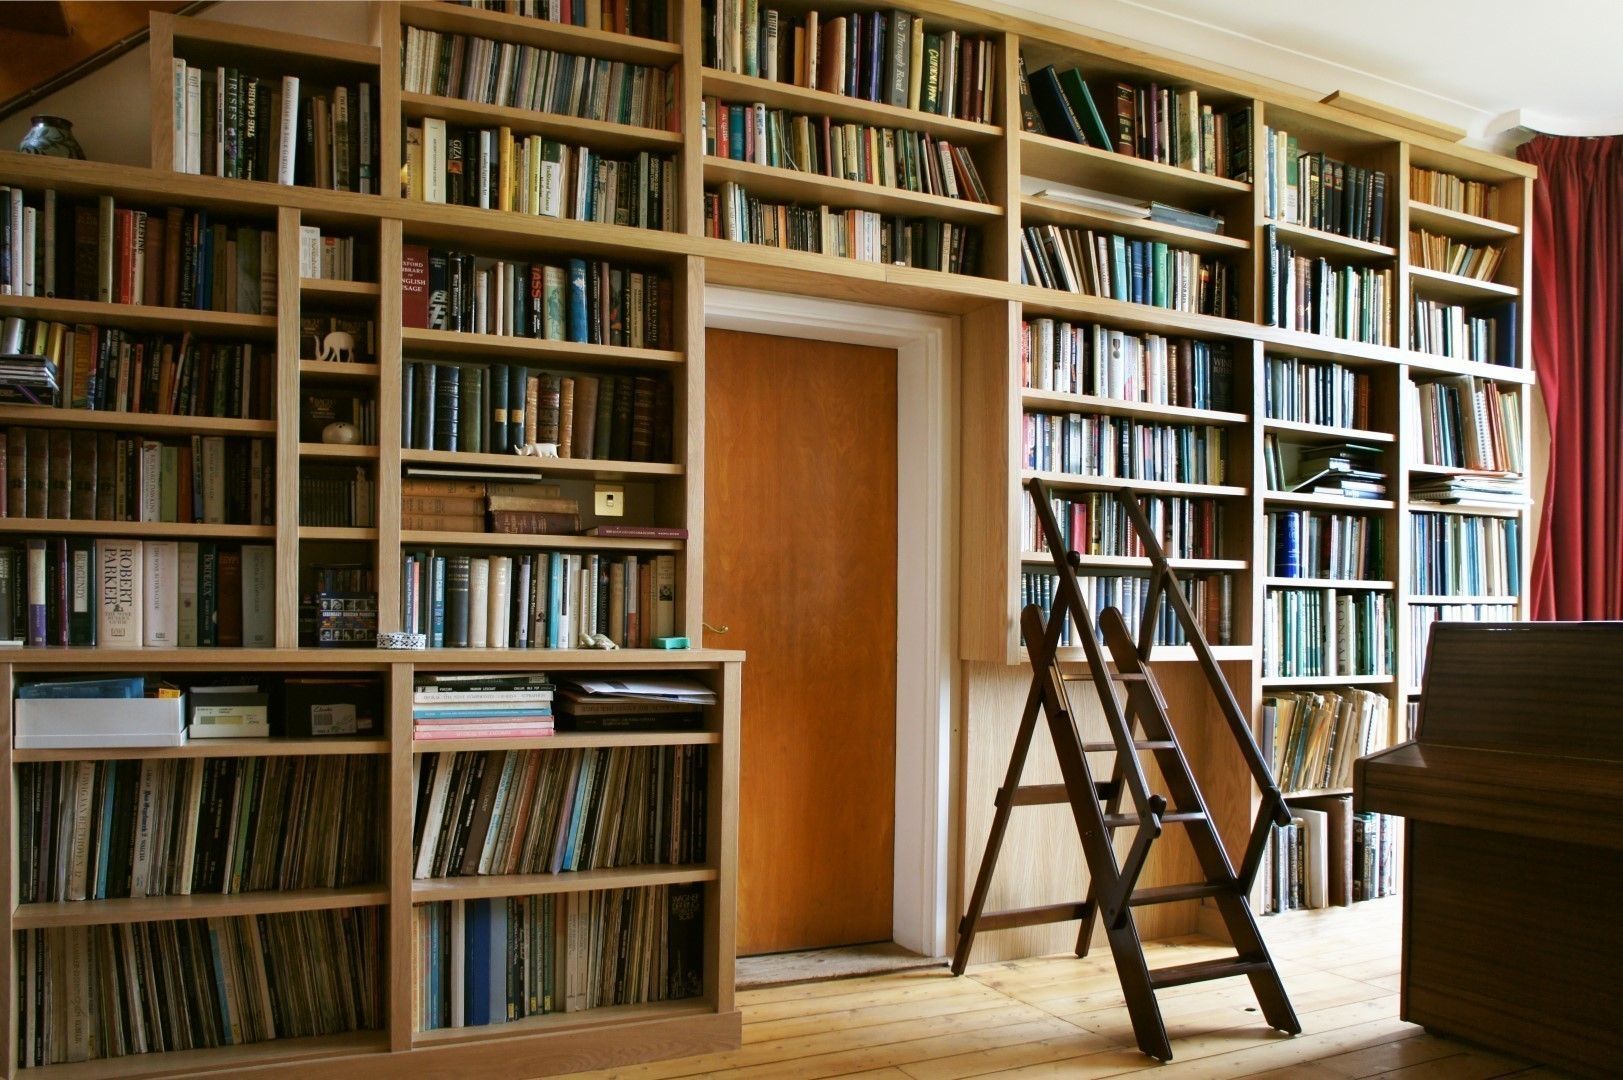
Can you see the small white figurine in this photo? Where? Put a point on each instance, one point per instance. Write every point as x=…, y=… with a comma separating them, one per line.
x=537, y=449
x=596, y=641
x=338, y=345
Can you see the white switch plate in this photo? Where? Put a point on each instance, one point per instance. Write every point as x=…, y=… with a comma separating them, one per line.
x=610, y=501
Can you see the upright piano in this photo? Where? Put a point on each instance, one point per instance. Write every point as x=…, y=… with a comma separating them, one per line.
x=1513, y=872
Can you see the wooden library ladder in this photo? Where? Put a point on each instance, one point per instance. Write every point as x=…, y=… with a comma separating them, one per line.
x=1113, y=889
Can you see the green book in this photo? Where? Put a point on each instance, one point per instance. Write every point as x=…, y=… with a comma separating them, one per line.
x=930, y=98
x=553, y=319
x=1162, y=275
x=1081, y=99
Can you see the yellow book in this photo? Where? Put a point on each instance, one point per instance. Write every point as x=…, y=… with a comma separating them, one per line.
x=504, y=179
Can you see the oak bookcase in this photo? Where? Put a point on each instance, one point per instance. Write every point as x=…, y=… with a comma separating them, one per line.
x=990, y=306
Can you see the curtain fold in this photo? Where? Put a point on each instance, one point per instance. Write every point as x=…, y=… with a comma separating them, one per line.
x=1577, y=333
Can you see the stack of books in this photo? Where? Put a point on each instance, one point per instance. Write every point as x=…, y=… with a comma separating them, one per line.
x=633, y=703
x=482, y=706
x=27, y=379
x=1211, y=596
x=1480, y=488
x=1342, y=468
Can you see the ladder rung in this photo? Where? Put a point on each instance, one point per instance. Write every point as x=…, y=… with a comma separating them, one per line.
x=1171, y=894
x=1205, y=971
x=1141, y=744
x=1031, y=916
x=1050, y=794
x=1125, y=821
x=1114, y=676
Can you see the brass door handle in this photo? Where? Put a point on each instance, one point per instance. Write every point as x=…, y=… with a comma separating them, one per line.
x=715, y=629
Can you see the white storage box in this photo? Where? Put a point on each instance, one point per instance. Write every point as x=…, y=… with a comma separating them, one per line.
x=57, y=723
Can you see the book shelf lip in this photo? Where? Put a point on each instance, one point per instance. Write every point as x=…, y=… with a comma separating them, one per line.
x=1122, y=314
x=42, y=916
x=1418, y=506
x=286, y=1052
x=1300, y=343
x=532, y=238
x=1339, y=584
x=541, y=33
x=1427, y=364
x=801, y=187
x=338, y=371
x=561, y=660
x=1039, y=211
x=338, y=451
x=1094, y=403
x=1460, y=470
x=337, y=745
x=1134, y=562
x=747, y=89
x=156, y=530
x=1317, y=793
x=1077, y=481
x=338, y=291
x=580, y=1020
x=1328, y=431
x=542, y=541
x=99, y=419
x=32, y=660
x=1334, y=245
x=1311, y=498
x=584, y=467
x=426, y=890
x=571, y=740
x=600, y=134
x=337, y=532
x=1284, y=681
x=1440, y=285
x=1055, y=159
x=1458, y=224
x=543, y=351
x=196, y=31
x=139, y=316
x=1434, y=600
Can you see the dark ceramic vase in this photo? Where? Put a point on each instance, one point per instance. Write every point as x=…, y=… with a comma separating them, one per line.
x=53, y=136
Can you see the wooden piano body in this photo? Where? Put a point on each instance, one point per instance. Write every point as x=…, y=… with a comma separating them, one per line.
x=1513, y=874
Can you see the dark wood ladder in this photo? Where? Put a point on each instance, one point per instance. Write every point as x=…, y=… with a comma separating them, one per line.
x=1097, y=806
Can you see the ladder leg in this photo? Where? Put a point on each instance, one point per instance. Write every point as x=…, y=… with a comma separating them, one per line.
x=1266, y=984
x=1134, y=973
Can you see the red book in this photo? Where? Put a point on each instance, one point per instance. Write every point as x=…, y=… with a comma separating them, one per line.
x=414, y=285
x=123, y=256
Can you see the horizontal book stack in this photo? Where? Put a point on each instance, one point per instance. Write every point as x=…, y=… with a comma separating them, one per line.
x=1327, y=393
x=1486, y=335
x=113, y=370
x=1467, y=423
x=1421, y=617
x=338, y=496
x=64, y=474
x=164, y=827
x=516, y=76
x=598, y=706
x=555, y=811
x=1435, y=251
x=1211, y=596
x=334, y=258
x=1314, y=296
x=892, y=57
x=1153, y=122
x=227, y=122
x=1436, y=188
x=1095, y=524
x=587, y=301
x=1323, y=544
x=1318, y=633
x=437, y=503
x=480, y=706
x=495, y=169
x=1126, y=268
x=539, y=600
x=732, y=213
x=642, y=18
x=1314, y=737
x=1118, y=364
x=1347, y=469
x=1465, y=555
x=129, y=594
x=1318, y=192
x=1082, y=444
x=485, y=961
x=497, y=408
x=189, y=984
x=886, y=156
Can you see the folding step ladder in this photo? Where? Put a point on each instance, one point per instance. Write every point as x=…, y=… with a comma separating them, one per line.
x=1097, y=806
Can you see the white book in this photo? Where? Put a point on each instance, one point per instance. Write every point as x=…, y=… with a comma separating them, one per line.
x=188, y=827
x=478, y=606
x=160, y=575
x=192, y=137
x=310, y=251
x=1316, y=886
x=500, y=595
x=436, y=815
x=186, y=596
x=145, y=819
x=433, y=159
x=118, y=569
x=258, y=596
x=288, y=141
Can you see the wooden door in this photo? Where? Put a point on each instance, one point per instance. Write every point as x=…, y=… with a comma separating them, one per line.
x=800, y=565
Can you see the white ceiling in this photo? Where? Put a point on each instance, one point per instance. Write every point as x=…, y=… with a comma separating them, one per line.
x=1470, y=62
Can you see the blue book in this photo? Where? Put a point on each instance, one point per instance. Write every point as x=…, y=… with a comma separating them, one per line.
x=577, y=300
x=109, y=792
x=1289, y=538
x=436, y=626
x=480, y=712
x=215, y=950
x=518, y=378
x=555, y=588
x=498, y=408
x=583, y=785
x=476, y=964
x=128, y=686
x=736, y=134
x=497, y=1003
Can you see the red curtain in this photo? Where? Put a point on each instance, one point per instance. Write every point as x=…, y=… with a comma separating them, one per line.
x=1577, y=300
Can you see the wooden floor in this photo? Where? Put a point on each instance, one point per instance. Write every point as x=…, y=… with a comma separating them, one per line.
x=1064, y=1017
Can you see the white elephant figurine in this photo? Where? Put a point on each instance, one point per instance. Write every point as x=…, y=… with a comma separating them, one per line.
x=338, y=345
x=537, y=449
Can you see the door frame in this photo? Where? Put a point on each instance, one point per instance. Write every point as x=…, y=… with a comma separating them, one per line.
x=926, y=571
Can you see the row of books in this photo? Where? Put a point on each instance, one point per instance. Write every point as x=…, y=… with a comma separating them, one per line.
x=1089, y=445
x=1437, y=251
x=129, y=594
x=1118, y=364
x=1465, y=555
x=1211, y=596
x=338, y=607
x=1311, y=295
x=1094, y=201
x=891, y=57
x=89, y=992
x=96, y=830
x=552, y=811
x=1325, y=392
x=1328, y=855
x=540, y=600
x=113, y=370
x=1126, y=268
x=1325, y=544
x=1318, y=192
x=587, y=301
x=1421, y=617
x=1096, y=523
x=1435, y=188
x=338, y=496
x=493, y=169
x=641, y=18
x=1348, y=469
x=497, y=408
x=732, y=213
x=1486, y=335
x=1313, y=737
x=516, y=76
x=886, y=156
x=83, y=475
x=1465, y=422
x=335, y=258
x=1153, y=122
x=1318, y=633
x=1295, y=871
x=484, y=962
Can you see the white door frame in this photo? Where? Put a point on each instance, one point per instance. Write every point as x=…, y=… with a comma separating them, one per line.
x=926, y=570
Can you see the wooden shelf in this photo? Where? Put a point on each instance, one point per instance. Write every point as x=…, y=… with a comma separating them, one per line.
x=541, y=352
x=250, y=40
x=582, y=467
x=1326, y=431
x=295, y=1055
x=1135, y=562
x=1424, y=363
x=1437, y=285
x=1331, y=245
x=337, y=371
x=598, y=134
x=1317, y=793
x=1338, y=502
x=1510, y=601
x=1105, y=170
x=1340, y=584
x=196, y=906
x=1092, y=403
x=1123, y=315
x=156, y=530
x=140, y=316
x=155, y=423
x=332, y=290
x=787, y=185
x=1039, y=211
x=746, y=89
x=210, y=748
x=1458, y=224
x=482, y=887
x=546, y=542
x=1283, y=681
x=337, y=532
x=1486, y=509
x=567, y=740
x=1071, y=481
x=604, y=1018
x=1425, y=469
x=338, y=451
x=541, y=33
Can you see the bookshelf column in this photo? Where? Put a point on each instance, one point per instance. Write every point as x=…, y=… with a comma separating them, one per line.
x=8, y=873
x=288, y=300
x=397, y=858
x=389, y=434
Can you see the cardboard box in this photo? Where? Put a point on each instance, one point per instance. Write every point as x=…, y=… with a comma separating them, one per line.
x=317, y=707
x=229, y=713
x=58, y=723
